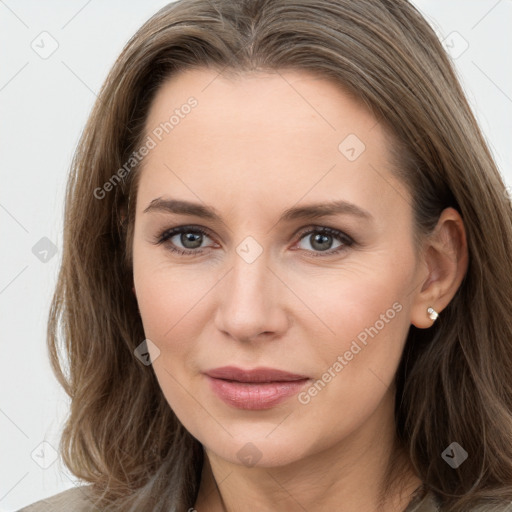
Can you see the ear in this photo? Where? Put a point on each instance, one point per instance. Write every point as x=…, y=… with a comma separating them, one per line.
x=445, y=258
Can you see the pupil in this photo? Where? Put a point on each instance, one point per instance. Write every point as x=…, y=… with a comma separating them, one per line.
x=322, y=240
x=194, y=238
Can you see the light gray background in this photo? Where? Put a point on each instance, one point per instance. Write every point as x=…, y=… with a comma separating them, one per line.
x=44, y=105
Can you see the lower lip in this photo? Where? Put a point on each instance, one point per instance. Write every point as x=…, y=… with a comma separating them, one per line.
x=255, y=396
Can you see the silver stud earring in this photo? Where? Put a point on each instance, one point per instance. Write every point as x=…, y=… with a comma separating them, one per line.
x=432, y=313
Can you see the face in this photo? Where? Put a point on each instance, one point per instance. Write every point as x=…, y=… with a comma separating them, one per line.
x=263, y=281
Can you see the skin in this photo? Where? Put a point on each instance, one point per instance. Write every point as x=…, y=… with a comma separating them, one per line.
x=254, y=146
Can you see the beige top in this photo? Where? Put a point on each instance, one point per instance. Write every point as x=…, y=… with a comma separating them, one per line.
x=76, y=500
x=73, y=500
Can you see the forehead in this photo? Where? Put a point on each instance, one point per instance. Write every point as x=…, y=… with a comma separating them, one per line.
x=261, y=104
x=289, y=130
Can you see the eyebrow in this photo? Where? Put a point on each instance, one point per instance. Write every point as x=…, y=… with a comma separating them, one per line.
x=326, y=209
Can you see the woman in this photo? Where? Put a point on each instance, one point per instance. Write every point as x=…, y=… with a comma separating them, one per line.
x=286, y=274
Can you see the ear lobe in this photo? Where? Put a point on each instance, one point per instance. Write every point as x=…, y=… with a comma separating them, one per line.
x=445, y=256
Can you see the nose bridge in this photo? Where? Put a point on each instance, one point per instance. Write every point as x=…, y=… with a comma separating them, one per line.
x=248, y=301
x=249, y=282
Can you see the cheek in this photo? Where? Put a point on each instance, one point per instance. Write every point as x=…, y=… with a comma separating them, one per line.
x=169, y=302
x=368, y=312
x=175, y=306
x=355, y=366
x=369, y=325
x=173, y=314
x=353, y=297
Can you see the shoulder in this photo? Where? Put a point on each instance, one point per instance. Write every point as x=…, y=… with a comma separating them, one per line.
x=75, y=499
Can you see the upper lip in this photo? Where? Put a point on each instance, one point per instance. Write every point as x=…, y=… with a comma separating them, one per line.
x=260, y=374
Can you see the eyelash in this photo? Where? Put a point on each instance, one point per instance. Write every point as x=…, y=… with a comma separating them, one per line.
x=165, y=235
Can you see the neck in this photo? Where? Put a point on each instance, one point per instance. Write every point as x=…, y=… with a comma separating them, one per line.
x=348, y=477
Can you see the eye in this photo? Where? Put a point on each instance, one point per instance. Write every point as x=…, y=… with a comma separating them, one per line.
x=321, y=238
x=188, y=240
x=189, y=237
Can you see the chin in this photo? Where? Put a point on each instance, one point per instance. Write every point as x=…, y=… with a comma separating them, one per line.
x=259, y=447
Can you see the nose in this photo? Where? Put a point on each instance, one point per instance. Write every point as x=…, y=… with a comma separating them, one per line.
x=251, y=301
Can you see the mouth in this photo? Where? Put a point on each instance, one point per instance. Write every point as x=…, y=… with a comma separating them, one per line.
x=254, y=389
x=261, y=374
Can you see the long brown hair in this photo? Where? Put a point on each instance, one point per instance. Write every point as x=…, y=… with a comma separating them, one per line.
x=453, y=382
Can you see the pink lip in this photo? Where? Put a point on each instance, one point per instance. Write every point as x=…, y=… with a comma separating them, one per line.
x=258, y=388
